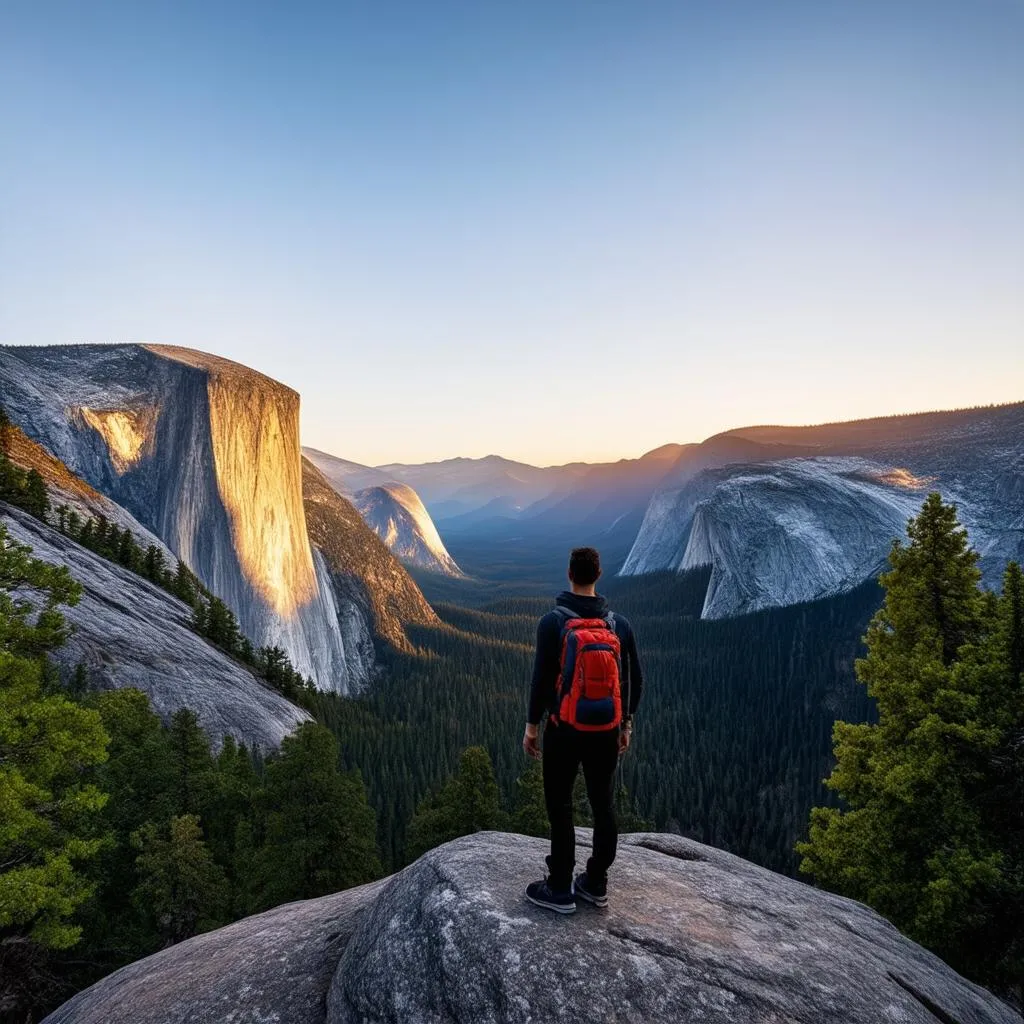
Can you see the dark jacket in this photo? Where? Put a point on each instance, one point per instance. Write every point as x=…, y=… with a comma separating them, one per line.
x=546, y=660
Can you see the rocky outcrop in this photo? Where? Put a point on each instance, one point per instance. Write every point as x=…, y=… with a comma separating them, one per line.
x=369, y=582
x=692, y=934
x=204, y=453
x=274, y=967
x=128, y=632
x=784, y=515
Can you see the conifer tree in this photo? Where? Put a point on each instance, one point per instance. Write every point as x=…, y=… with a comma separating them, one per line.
x=141, y=772
x=246, y=651
x=35, y=500
x=320, y=834
x=530, y=815
x=1011, y=627
x=468, y=802
x=191, y=764
x=272, y=662
x=235, y=791
x=912, y=840
x=79, y=685
x=221, y=625
x=185, y=584
x=139, y=779
x=128, y=550
x=101, y=532
x=48, y=805
x=181, y=887
x=199, y=618
x=24, y=630
x=1003, y=804
x=46, y=830
x=153, y=566
x=626, y=815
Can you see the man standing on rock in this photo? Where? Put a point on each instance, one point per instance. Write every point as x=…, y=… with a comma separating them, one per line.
x=587, y=679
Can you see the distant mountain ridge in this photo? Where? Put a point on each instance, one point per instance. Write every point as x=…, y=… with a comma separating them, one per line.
x=344, y=476
x=780, y=513
x=495, y=495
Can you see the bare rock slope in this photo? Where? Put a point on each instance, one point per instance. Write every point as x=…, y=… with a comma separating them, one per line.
x=128, y=632
x=74, y=494
x=692, y=934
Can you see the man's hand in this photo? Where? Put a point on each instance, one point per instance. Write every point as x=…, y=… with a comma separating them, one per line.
x=530, y=744
x=625, y=735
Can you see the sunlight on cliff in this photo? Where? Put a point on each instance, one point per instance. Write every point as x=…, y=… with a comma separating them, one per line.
x=904, y=479
x=124, y=431
x=255, y=434
x=254, y=429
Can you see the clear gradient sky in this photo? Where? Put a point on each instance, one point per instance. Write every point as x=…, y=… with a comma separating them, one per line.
x=445, y=223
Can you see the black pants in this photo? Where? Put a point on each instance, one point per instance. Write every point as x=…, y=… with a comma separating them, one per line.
x=565, y=750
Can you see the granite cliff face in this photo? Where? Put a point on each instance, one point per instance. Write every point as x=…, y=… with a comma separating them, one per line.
x=395, y=513
x=783, y=532
x=692, y=935
x=204, y=453
x=784, y=515
x=128, y=632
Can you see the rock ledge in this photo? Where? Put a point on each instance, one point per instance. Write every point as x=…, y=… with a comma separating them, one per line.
x=692, y=934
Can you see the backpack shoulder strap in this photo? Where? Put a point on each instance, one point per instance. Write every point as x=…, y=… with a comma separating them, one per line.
x=565, y=613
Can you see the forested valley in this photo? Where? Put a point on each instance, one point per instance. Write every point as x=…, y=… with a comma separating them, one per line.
x=731, y=743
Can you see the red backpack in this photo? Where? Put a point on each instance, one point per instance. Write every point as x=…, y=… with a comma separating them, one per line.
x=588, y=694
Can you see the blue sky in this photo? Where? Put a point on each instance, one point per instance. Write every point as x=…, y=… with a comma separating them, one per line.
x=551, y=230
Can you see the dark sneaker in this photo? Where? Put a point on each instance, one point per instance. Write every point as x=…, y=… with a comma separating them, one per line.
x=592, y=891
x=559, y=900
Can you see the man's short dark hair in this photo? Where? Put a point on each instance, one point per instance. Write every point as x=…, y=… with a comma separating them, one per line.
x=584, y=566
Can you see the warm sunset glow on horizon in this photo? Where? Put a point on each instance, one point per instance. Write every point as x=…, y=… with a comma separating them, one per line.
x=549, y=232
